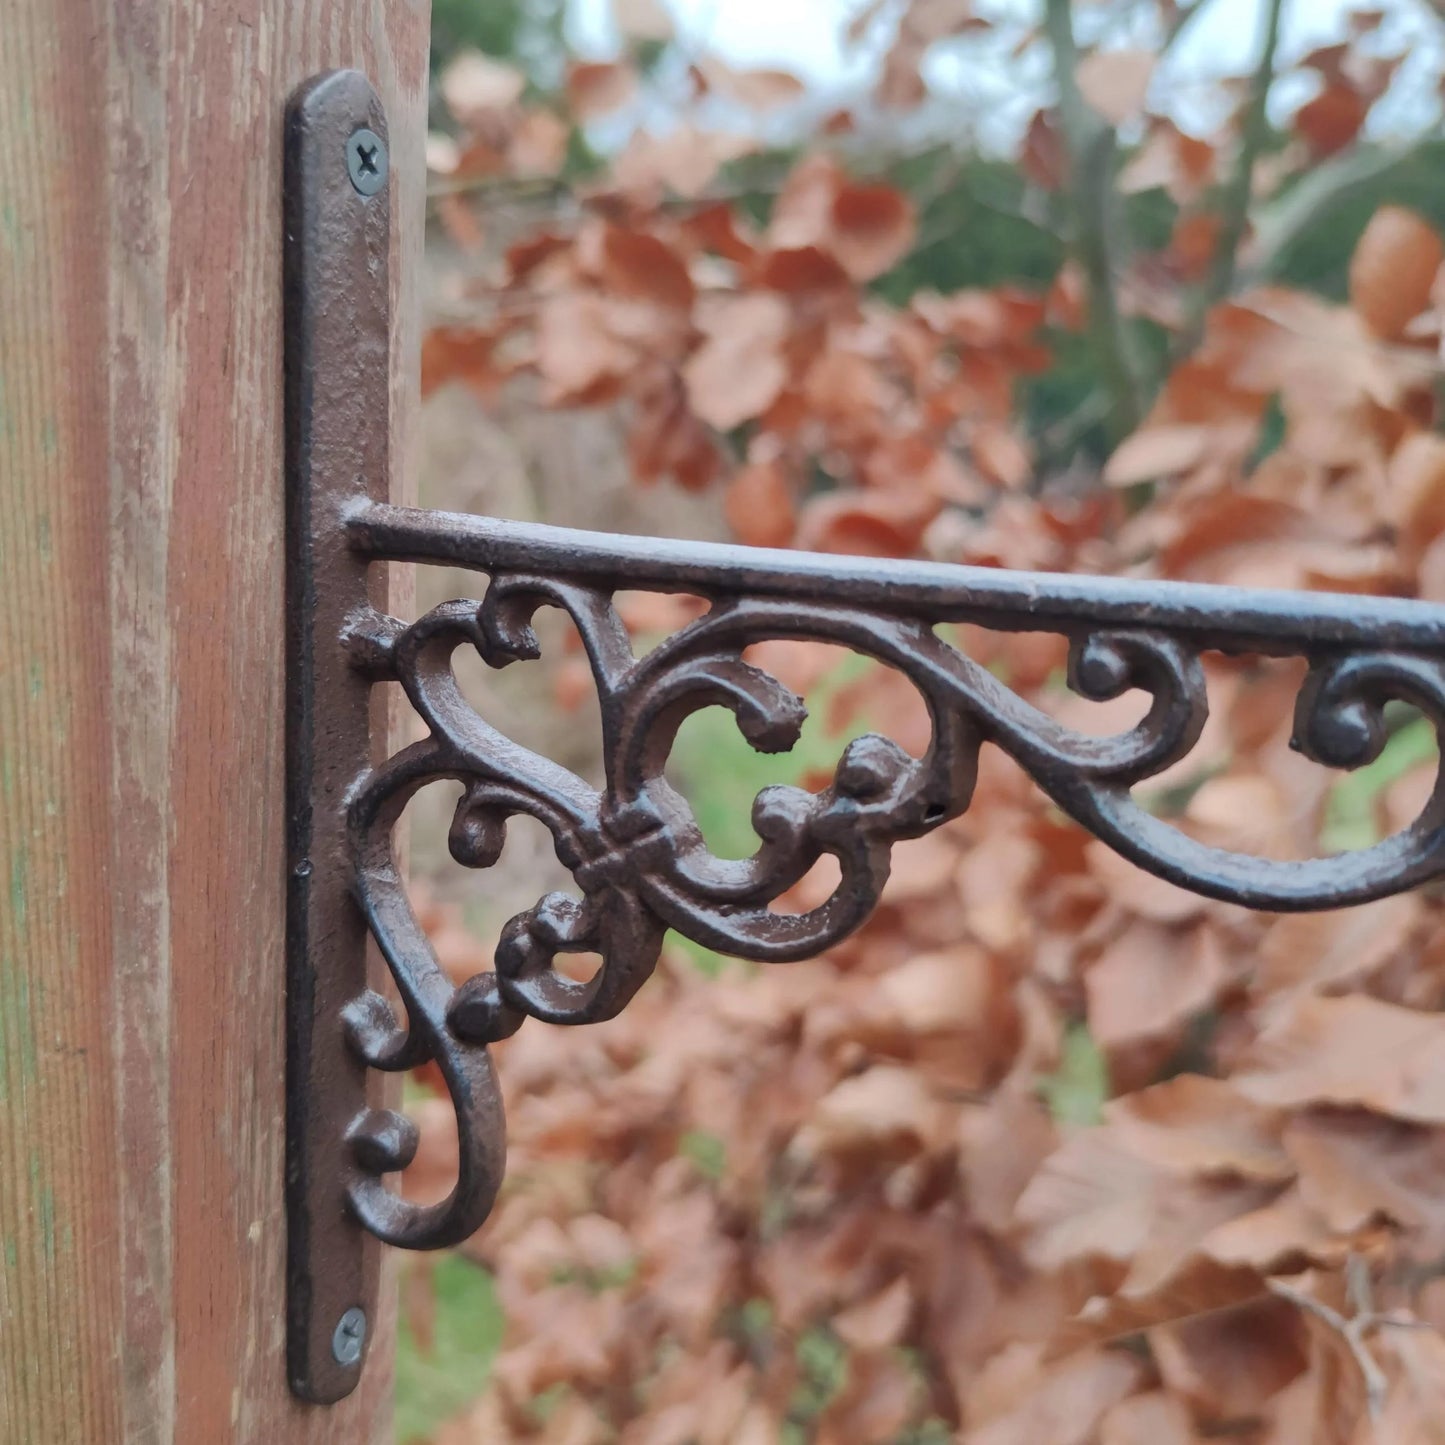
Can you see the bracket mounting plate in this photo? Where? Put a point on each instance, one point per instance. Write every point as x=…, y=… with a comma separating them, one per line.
x=338, y=340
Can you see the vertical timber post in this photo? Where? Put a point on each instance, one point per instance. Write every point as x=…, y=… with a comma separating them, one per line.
x=142, y=798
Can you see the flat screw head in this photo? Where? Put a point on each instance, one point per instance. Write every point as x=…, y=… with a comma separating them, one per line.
x=349, y=1336
x=366, y=161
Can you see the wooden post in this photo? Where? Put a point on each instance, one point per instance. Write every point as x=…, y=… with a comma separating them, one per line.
x=142, y=1235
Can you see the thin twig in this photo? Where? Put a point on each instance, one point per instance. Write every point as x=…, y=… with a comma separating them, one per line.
x=1181, y=22
x=1239, y=190
x=1316, y=194
x=1377, y=1384
x=1090, y=144
x=507, y=188
x=1354, y=1330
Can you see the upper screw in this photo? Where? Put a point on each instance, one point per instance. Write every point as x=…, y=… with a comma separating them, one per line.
x=349, y=1336
x=366, y=161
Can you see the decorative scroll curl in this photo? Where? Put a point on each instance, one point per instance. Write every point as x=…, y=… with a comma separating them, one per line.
x=639, y=859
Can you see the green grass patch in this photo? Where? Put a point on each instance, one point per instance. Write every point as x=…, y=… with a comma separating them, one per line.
x=1350, y=815
x=720, y=774
x=706, y=1152
x=432, y=1385
x=1077, y=1090
x=707, y=962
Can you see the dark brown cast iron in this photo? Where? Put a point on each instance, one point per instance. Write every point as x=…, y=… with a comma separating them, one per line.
x=338, y=326
x=632, y=846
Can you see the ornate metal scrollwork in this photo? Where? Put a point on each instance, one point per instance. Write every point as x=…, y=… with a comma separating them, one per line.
x=632, y=846
x=637, y=855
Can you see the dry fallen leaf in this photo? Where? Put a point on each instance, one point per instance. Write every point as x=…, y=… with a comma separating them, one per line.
x=1115, y=82
x=1149, y=980
x=881, y=1109
x=1352, y=1050
x=1158, y=452
x=596, y=88
x=1062, y=1404
x=1026, y=1159
x=878, y=1322
x=1393, y=270
x=1331, y=121
x=756, y=89
x=739, y=370
x=643, y=19
x=866, y=228
x=759, y=505
x=1355, y=1166
x=1154, y=1419
x=1201, y=1126
x=474, y=86
x=1093, y=1198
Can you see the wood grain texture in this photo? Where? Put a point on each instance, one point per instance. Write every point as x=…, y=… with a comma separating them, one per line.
x=141, y=704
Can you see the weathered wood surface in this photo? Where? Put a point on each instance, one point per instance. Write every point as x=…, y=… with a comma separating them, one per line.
x=141, y=704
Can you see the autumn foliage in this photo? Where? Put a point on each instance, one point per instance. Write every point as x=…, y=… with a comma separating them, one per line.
x=1050, y=1153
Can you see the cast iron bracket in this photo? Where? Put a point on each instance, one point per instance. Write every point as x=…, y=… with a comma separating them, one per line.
x=632, y=845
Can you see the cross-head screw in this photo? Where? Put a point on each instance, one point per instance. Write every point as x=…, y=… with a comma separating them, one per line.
x=349, y=1336
x=366, y=162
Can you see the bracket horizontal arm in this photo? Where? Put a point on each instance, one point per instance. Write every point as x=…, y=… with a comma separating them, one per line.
x=1226, y=619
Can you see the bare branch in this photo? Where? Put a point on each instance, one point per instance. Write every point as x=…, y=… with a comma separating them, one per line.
x=1090, y=144
x=1318, y=193
x=1239, y=190
x=1182, y=20
x=1377, y=1384
x=1355, y=1330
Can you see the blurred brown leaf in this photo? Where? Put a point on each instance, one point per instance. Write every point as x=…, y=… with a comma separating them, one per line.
x=474, y=86
x=1115, y=82
x=643, y=19
x=596, y=88
x=757, y=89
x=759, y=505
x=1353, y=1050
x=739, y=370
x=1331, y=121
x=1050, y=1151
x=1393, y=270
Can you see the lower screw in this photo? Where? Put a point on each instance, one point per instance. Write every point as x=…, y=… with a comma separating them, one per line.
x=349, y=1336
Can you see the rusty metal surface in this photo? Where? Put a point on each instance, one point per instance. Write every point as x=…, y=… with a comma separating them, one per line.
x=337, y=244
x=638, y=859
x=1230, y=619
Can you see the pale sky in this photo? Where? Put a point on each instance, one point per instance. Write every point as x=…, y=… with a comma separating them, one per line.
x=805, y=36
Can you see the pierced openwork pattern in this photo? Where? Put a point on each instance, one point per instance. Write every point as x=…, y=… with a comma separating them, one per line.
x=635, y=851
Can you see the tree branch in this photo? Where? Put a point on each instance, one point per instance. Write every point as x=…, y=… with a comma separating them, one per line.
x=1352, y=1334
x=1354, y=1331
x=1090, y=143
x=1239, y=189
x=1318, y=193
x=1181, y=22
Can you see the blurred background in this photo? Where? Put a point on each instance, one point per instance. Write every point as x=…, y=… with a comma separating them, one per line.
x=1050, y=1153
